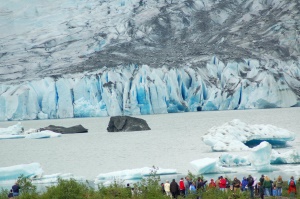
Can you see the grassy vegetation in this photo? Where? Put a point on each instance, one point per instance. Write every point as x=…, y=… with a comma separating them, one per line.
x=148, y=188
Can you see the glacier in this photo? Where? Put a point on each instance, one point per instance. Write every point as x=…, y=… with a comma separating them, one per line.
x=237, y=135
x=135, y=90
x=91, y=58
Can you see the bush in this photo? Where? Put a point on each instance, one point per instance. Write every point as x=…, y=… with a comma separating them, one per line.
x=67, y=189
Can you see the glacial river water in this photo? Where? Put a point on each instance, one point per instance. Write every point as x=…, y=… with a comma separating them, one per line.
x=173, y=142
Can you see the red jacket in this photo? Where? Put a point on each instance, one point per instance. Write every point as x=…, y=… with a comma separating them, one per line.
x=181, y=185
x=222, y=183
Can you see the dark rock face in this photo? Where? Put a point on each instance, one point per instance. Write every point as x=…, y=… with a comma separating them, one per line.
x=64, y=130
x=126, y=123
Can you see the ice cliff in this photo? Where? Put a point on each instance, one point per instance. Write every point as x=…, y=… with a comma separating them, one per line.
x=85, y=58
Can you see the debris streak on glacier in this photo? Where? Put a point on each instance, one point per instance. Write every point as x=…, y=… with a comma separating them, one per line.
x=135, y=90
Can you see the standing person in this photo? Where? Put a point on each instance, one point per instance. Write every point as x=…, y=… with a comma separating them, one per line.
x=261, y=190
x=10, y=194
x=279, y=183
x=212, y=184
x=236, y=183
x=16, y=189
x=192, y=188
x=244, y=184
x=227, y=184
x=292, y=191
x=200, y=184
x=267, y=186
x=222, y=183
x=261, y=179
x=181, y=187
x=174, y=188
x=255, y=186
x=250, y=186
x=163, y=188
x=218, y=183
x=167, y=188
x=187, y=184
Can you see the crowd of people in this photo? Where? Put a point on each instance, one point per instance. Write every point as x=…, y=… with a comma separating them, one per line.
x=261, y=187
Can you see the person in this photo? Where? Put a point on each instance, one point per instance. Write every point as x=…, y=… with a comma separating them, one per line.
x=255, y=186
x=261, y=179
x=222, y=183
x=167, y=188
x=279, y=183
x=218, y=183
x=236, y=183
x=292, y=191
x=187, y=184
x=174, y=188
x=274, y=190
x=16, y=189
x=261, y=190
x=181, y=187
x=250, y=186
x=227, y=184
x=200, y=184
x=163, y=188
x=267, y=186
x=10, y=194
x=192, y=188
x=212, y=184
x=244, y=184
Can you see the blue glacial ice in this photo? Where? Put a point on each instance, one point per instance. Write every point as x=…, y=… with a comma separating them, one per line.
x=287, y=157
x=231, y=160
x=209, y=166
x=235, y=135
x=12, y=173
x=135, y=90
x=260, y=157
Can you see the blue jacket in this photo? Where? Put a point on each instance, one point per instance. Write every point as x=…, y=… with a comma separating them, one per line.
x=244, y=182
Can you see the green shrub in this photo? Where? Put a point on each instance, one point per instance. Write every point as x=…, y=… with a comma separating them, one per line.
x=67, y=189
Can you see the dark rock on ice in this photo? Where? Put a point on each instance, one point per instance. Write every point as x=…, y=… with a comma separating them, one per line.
x=126, y=123
x=60, y=129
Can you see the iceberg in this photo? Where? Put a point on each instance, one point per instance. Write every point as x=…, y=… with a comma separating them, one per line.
x=132, y=174
x=12, y=130
x=236, y=135
x=12, y=173
x=17, y=132
x=288, y=157
x=209, y=166
x=260, y=157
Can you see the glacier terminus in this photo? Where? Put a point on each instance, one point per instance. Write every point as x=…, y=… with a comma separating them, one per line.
x=88, y=58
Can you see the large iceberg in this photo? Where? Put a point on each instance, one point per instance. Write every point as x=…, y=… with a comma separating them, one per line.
x=234, y=135
x=12, y=173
